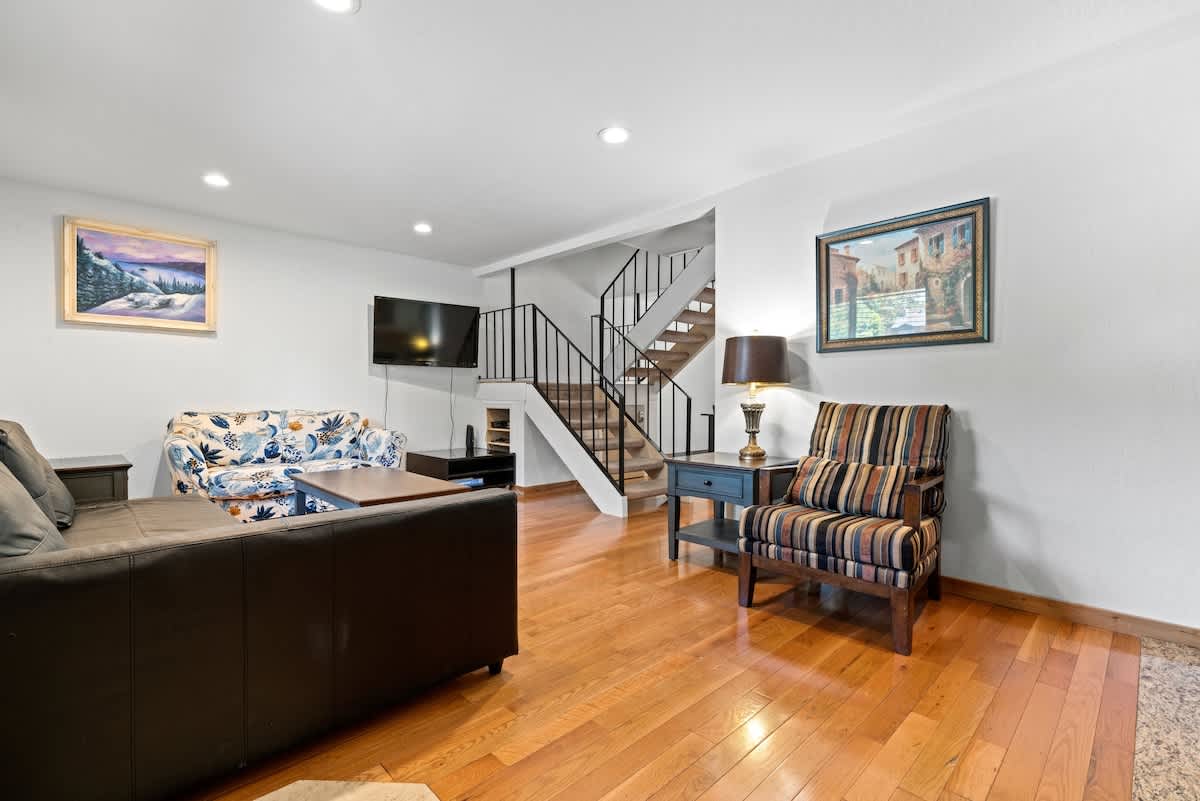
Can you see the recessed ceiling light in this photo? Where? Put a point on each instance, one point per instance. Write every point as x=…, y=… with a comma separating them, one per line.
x=216, y=180
x=340, y=6
x=613, y=136
x=423, y=228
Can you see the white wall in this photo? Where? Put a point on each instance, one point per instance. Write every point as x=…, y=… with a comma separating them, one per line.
x=293, y=331
x=1076, y=430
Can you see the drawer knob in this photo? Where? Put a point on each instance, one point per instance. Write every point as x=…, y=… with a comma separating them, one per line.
x=708, y=482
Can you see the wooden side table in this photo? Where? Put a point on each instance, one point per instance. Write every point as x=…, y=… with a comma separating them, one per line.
x=722, y=478
x=93, y=479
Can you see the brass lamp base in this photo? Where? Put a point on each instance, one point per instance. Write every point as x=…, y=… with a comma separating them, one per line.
x=752, y=451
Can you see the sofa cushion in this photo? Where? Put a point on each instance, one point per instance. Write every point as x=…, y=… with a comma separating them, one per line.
x=146, y=517
x=307, y=436
x=853, y=488
x=890, y=576
x=24, y=526
x=60, y=498
x=915, y=436
x=257, y=481
x=232, y=438
x=26, y=465
x=879, y=541
x=62, y=502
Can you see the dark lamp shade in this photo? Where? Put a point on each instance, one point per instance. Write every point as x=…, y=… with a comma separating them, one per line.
x=755, y=360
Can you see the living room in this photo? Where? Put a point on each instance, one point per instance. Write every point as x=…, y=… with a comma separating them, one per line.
x=764, y=497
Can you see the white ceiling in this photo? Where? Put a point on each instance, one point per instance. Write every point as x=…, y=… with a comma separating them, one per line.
x=480, y=116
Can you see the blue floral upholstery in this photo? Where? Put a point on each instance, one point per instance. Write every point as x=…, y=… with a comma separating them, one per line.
x=245, y=461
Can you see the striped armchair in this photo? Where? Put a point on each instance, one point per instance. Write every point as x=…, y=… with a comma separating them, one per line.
x=863, y=509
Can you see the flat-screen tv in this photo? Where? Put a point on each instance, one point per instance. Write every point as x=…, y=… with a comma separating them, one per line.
x=427, y=334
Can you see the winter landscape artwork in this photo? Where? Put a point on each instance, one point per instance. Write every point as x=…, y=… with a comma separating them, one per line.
x=117, y=275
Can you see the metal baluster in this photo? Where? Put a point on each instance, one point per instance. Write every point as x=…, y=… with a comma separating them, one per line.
x=645, y=285
x=660, y=394
x=688, y=430
x=621, y=445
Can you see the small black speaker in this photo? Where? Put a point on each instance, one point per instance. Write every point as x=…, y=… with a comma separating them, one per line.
x=470, y=439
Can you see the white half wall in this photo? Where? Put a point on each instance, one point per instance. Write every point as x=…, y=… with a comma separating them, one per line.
x=1075, y=431
x=293, y=331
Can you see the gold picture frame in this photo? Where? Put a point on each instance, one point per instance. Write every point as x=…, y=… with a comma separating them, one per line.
x=146, y=279
x=920, y=279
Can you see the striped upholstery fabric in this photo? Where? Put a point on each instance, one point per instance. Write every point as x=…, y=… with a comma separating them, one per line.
x=913, y=436
x=846, y=567
x=878, y=541
x=857, y=489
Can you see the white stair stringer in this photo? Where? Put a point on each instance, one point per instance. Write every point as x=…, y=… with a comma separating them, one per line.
x=674, y=299
x=594, y=481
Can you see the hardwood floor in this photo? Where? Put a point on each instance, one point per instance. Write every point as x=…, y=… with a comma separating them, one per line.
x=643, y=679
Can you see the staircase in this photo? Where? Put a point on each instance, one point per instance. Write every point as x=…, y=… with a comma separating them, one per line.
x=622, y=428
x=671, y=332
x=613, y=412
x=596, y=419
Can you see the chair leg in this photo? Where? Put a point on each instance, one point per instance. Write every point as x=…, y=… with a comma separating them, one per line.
x=935, y=580
x=747, y=575
x=902, y=621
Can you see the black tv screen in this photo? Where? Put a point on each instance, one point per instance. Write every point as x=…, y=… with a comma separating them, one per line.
x=427, y=334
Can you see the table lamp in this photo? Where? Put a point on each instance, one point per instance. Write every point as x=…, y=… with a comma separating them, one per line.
x=758, y=361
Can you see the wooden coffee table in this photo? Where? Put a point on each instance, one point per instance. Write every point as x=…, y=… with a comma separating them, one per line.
x=368, y=486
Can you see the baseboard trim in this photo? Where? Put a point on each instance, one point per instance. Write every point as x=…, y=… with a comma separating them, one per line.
x=546, y=489
x=1076, y=613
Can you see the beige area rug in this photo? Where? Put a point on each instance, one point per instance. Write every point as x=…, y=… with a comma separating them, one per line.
x=1166, y=763
x=350, y=791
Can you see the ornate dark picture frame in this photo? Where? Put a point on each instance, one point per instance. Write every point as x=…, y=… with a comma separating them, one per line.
x=920, y=279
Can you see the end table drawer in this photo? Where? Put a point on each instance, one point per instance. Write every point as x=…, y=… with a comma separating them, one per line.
x=712, y=483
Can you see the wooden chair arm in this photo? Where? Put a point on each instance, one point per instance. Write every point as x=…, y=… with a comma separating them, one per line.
x=768, y=477
x=914, y=498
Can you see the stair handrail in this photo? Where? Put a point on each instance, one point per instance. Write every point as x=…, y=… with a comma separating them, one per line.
x=492, y=328
x=627, y=349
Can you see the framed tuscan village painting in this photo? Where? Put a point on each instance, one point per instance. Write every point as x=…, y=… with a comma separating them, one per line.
x=921, y=279
x=117, y=275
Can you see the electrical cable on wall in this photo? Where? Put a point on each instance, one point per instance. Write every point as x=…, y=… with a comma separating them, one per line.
x=451, y=445
x=387, y=386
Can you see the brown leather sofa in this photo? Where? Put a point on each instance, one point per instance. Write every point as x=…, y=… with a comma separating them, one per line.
x=140, y=662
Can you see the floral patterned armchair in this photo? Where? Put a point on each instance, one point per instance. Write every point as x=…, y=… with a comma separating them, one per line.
x=245, y=461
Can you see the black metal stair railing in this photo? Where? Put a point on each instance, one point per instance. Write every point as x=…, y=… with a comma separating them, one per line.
x=667, y=422
x=640, y=283
x=521, y=343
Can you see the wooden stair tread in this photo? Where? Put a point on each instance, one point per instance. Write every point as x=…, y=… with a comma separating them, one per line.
x=672, y=355
x=647, y=488
x=682, y=336
x=707, y=295
x=648, y=372
x=639, y=463
x=696, y=318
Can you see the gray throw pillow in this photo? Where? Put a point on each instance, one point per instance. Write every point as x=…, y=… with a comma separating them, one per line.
x=26, y=465
x=24, y=528
x=60, y=498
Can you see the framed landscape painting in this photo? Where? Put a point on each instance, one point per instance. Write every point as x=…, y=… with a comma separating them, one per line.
x=921, y=279
x=117, y=275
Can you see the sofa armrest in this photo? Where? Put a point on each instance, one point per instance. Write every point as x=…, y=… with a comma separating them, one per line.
x=770, y=478
x=914, y=498
x=189, y=471
x=382, y=446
